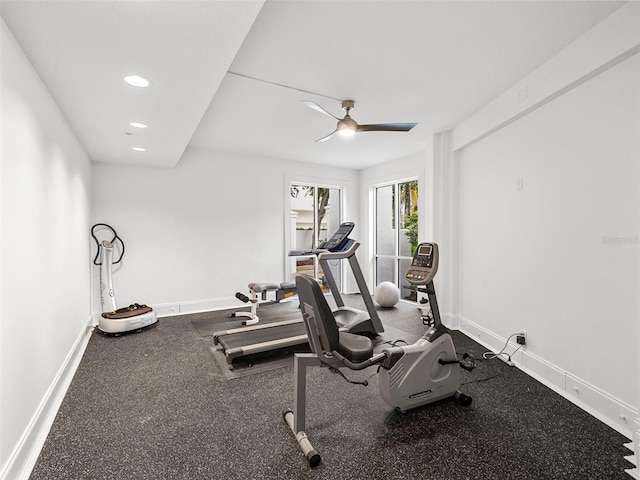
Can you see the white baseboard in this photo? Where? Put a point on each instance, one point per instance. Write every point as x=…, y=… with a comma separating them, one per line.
x=195, y=306
x=24, y=456
x=603, y=406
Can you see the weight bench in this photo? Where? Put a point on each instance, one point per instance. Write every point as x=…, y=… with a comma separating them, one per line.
x=282, y=291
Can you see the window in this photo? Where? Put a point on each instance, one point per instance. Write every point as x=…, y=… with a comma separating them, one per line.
x=316, y=213
x=396, y=233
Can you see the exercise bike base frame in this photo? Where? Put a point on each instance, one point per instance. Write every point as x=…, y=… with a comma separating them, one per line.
x=295, y=417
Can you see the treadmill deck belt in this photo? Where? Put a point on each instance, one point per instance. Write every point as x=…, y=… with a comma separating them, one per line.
x=256, y=341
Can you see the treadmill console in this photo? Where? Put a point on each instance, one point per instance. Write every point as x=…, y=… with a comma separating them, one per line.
x=339, y=239
x=424, y=264
x=339, y=242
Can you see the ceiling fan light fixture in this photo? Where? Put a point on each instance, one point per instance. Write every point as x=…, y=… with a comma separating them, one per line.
x=347, y=127
x=346, y=132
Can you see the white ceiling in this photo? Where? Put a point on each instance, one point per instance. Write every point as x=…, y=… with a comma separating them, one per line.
x=431, y=62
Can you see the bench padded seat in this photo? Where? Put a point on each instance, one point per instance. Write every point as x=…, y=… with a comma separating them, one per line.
x=263, y=287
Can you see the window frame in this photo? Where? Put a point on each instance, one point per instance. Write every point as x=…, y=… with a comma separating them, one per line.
x=396, y=257
x=291, y=181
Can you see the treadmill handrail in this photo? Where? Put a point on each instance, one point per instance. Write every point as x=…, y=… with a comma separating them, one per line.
x=350, y=254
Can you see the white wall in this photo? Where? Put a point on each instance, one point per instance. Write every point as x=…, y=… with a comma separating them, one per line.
x=44, y=251
x=559, y=257
x=198, y=233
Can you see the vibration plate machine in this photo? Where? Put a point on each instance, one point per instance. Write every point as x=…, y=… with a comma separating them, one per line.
x=409, y=376
x=114, y=320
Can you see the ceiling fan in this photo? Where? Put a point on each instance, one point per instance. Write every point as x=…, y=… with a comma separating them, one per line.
x=347, y=126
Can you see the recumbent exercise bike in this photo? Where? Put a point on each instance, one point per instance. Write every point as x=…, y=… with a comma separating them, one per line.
x=409, y=376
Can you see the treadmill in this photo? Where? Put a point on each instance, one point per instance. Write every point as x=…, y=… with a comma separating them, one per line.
x=254, y=339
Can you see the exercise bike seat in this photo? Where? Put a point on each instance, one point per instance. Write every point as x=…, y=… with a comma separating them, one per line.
x=355, y=348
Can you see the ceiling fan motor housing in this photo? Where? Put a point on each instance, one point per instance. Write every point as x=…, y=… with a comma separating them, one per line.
x=348, y=105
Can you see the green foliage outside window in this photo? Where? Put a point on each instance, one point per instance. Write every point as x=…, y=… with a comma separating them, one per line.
x=411, y=230
x=409, y=209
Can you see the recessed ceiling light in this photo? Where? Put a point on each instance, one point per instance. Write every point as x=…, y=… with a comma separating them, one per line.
x=138, y=125
x=139, y=149
x=136, y=81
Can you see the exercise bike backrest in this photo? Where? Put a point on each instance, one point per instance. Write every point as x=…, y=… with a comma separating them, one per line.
x=315, y=309
x=327, y=342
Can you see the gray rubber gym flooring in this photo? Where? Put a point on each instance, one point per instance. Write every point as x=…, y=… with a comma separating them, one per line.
x=157, y=405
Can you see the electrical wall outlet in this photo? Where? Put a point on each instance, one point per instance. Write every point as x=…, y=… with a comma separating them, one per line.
x=521, y=338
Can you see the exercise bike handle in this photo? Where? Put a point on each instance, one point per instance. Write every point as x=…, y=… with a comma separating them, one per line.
x=378, y=358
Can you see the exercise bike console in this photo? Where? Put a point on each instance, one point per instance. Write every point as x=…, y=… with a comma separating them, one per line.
x=424, y=265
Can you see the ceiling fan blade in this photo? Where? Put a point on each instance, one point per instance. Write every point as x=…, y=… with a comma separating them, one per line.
x=387, y=127
x=318, y=108
x=327, y=137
